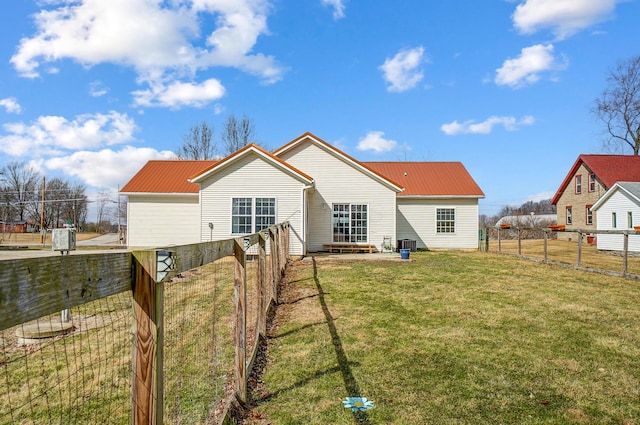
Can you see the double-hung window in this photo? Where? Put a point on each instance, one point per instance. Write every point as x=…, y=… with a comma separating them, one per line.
x=250, y=215
x=592, y=182
x=569, y=215
x=588, y=215
x=265, y=213
x=350, y=223
x=445, y=220
x=578, y=183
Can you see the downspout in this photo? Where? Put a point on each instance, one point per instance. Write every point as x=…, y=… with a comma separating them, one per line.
x=305, y=212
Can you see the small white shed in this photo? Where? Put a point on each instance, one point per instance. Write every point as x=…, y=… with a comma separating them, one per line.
x=618, y=209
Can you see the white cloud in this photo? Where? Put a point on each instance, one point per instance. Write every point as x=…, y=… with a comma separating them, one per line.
x=97, y=89
x=374, y=141
x=52, y=135
x=11, y=105
x=526, y=69
x=178, y=94
x=169, y=46
x=485, y=127
x=402, y=71
x=563, y=17
x=105, y=168
x=338, y=7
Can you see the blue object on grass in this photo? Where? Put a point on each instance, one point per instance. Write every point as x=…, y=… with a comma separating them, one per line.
x=357, y=403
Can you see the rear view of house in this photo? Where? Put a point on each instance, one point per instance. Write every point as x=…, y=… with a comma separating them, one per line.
x=327, y=196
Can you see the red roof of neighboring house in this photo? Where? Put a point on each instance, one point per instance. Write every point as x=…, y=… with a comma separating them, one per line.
x=609, y=169
x=429, y=178
x=167, y=176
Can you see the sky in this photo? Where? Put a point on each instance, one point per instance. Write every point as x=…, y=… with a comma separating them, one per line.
x=90, y=90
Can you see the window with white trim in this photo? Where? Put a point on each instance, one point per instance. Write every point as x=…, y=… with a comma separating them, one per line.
x=579, y=183
x=247, y=219
x=614, y=220
x=350, y=223
x=445, y=220
x=588, y=215
x=265, y=213
x=592, y=182
x=629, y=220
x=569, y=215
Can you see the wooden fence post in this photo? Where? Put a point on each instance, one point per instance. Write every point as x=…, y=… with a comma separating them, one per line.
x=625, y=253
x=148, y=308
x=486, y=239
x=546, y=237
x=499, y=242
x=274, y=264
x=519, y=242
x=262, y=284
x=240, y=297
x=579, y=248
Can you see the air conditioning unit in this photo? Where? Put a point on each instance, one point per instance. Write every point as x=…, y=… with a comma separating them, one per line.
x=63, y=239
x=407, y=244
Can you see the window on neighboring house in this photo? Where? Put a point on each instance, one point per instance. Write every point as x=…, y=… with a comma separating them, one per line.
x=579, y=183
x=588, y=214
x=629, y=220
x=445, y=220
x=569, y=216
x=350, y=223
x=592, y=182
x=243, y=215
x=614, y=220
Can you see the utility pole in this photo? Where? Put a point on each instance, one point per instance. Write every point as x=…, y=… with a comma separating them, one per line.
x=42, y=231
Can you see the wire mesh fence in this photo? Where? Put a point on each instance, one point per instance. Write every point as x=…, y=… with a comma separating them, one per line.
x=578, y=249
x=74, y=372
x=199, y=341
x=130, y=346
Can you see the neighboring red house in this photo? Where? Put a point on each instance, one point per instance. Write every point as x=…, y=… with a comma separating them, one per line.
x=588, y=179
x=10, y=227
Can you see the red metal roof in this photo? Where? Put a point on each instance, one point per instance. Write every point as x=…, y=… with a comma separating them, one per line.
x=608, y=169
x=167, y=176
x=429, y=178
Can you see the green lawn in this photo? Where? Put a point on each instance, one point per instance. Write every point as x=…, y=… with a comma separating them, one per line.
x=452, y=338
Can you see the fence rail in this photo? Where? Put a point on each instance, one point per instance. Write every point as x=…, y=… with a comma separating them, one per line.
x=226, y=282
x=574, y=248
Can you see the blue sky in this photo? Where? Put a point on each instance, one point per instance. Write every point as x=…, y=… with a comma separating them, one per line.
x=91, y=90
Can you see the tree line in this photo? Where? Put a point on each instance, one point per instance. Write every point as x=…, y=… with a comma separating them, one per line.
x=22, y=199
x=525, y=210
x=199, y=141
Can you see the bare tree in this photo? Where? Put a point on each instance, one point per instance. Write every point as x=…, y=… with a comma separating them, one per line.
x=198, y=143
x=237, y=133
x=619, y=107
x=20, y=187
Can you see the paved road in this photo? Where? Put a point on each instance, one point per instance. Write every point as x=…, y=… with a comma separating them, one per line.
x=103, y=244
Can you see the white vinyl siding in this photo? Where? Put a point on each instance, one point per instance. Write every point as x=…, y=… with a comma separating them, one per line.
x=624, y=209
x=156, y=221
x=338, y=182
x=251, y=177
x=417, y=221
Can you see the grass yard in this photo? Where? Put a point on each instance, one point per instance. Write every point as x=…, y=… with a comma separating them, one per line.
x=452, y=338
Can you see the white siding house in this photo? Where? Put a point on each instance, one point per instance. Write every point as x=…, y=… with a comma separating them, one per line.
x=161, y=220
x=327, y=197
x=618, y=209
x=341, y=183
x=417, y=220
x=268, y=190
